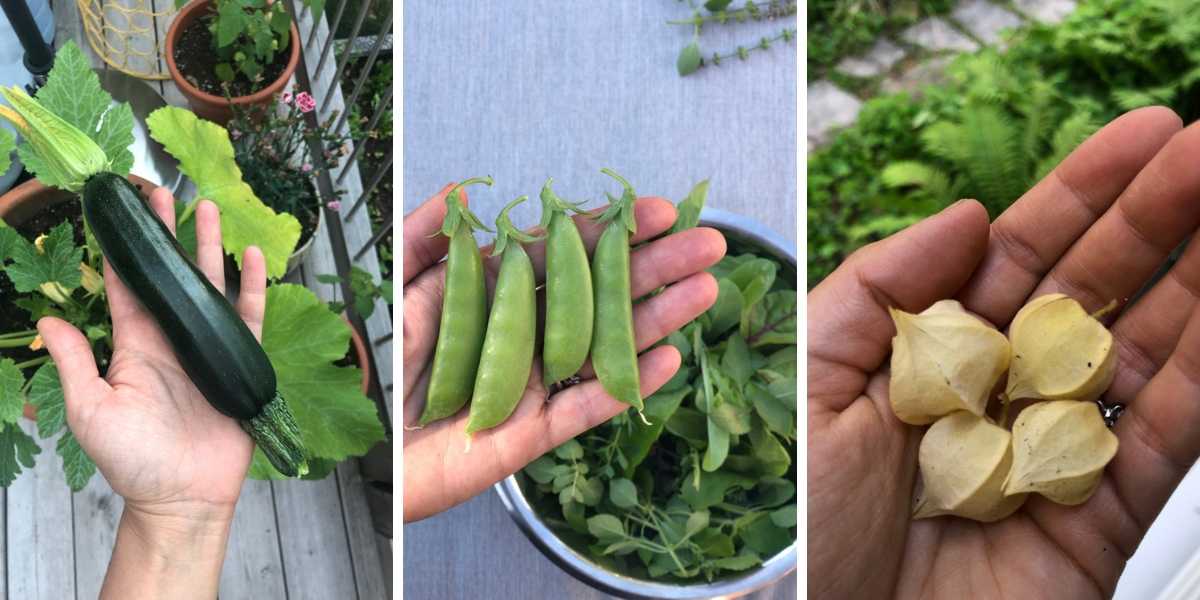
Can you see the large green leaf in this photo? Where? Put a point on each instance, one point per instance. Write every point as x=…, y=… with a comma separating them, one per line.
x=17, y=450
x=46, y=395
x=77, y=465
x=57, y=262
x=12, y=401
x=206, y=156
x=303, y=339
x=7, y=144
x=73, y=92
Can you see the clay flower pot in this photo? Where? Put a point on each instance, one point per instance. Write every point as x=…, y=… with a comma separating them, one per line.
x=217, y=108
x=28, y=199
x=360, y=353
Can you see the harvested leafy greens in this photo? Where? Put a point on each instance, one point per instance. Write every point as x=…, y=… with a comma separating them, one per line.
x=708, y=489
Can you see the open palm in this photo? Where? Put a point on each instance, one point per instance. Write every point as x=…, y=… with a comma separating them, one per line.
x=1096, y=229
x=438, y=472
x=157, y=441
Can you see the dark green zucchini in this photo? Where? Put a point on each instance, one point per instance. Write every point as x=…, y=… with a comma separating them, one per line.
x=216, y=349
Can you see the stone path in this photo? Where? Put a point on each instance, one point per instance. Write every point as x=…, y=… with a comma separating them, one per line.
x=933, y=41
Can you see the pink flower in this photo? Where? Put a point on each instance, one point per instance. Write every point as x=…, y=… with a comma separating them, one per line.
x=286, y=98
x=305, y=102
x=334, y=205
x=305, y=168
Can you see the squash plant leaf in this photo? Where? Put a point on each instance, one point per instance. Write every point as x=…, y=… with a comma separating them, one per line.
x=77, y=466
x=688, y=210
x=73, y=92
x=17, y=450
x=12, y=401
x=46, y=395
x=7, y=145
x=303, y=339
x=57, y=261
x=206, y=156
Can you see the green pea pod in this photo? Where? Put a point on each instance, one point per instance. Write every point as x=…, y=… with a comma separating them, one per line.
x=508, y=345
x=464, y=312
x=569, y=308
x=614, y=352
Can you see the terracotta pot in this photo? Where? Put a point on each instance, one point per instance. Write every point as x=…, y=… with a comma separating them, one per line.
x=217, y=108
x=26, y=200
x=360, y=352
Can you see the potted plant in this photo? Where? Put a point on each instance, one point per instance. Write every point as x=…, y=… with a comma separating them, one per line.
x=57, y=272
x=270, y=148
x=223, y=53
x=362, y=293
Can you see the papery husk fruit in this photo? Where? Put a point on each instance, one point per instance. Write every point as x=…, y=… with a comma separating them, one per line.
x=1060, y=449
x=964, y=460
x=1059, y=351
x=943, y=359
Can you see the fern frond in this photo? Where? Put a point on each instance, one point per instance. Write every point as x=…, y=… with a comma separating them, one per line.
x=945, y=140
x=929, y=179
x=880, y=227
x=1129, y=99
x=1073, y=131
x=1037, y=107
x=992, y=157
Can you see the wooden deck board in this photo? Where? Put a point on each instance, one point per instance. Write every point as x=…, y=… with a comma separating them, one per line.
x=316, y=554
x=97, y=514
x=253, y=565
x=39, y=529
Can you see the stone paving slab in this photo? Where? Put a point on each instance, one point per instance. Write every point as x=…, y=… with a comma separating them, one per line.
x=937, y=34
x=829, y=107
x=1047, y=11
x=878, y=59
x=985, y=20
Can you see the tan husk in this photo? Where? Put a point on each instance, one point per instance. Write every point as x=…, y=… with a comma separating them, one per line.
x=964, y=460
x=943, y=360
x=1060, y=449
x=1059, y=351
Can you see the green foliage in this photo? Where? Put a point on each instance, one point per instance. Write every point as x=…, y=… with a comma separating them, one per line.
x=703, y=490
x=247, y=34
x=7, y=144
x=1000, y=123
x=691, y=58
x=303, y=339
x=206, y=155
x=73, y=92
x=839, y=28
x=363, y=292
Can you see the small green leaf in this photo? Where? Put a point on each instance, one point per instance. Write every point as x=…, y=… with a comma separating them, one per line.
x=569, y=450
x=12, y=401
x=696, y=522
x=17, y=450
x=58, y=261
x=725, y=312
x=574, y=513
x=541, y=470
x=688, y=210
x=740, y=562
x=623, y=493
x=689, y=59
x=717, y=5
x=774, y=491
x=718, y=446
x=591, y=491
x=8, y=144
x=224, y=72
x=46, y=395
x=784, y=517
x=606, y=527
x=766, y=538
x=735, y=362
x=712, y=489
x=775, y=414
x=77, y=466
x=714, y=543
x=231, y=20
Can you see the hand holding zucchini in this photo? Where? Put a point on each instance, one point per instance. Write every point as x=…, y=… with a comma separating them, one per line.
x=213, y=345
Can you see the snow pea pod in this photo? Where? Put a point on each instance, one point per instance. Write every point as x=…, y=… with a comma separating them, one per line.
x=509, y=342
x=614, y=353
x=569, y=302
x=464, y=312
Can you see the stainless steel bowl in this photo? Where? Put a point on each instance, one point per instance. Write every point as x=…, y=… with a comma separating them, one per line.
x=735, y=227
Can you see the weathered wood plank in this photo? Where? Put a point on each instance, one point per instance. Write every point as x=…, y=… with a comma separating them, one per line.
x=368, y=566
x=68, y=26
x=385, y=556
x=38, y=527
x=253, y=565
x=316, y=554
x=97, y=515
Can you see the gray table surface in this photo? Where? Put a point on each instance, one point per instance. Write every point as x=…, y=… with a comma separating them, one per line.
x=526, y=90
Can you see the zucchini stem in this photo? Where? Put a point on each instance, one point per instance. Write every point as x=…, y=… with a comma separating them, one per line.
x=275, y=432
x=33, y=362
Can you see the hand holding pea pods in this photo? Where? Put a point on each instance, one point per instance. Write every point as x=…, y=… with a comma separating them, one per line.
x=674, y=262
x=464, y=312
x=508, y=344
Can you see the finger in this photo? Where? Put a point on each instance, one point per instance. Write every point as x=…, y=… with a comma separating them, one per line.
x=422, y=316
x=665, y=261
x=75, y=362
x=1133, y=238
x=252, y=295
x=420, y=250
x=849, y=328
x=1149, y=331
x=1160, y=433
x=1030, y=237
x=164, y=206
x=654, y=216
x=210, y=256
x=130, y=321
x=575, y=410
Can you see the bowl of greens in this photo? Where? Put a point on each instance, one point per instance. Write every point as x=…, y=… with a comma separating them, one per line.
x=702, y=501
